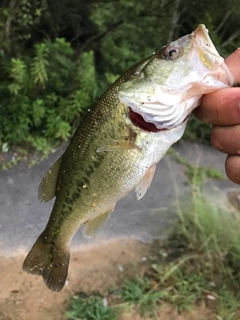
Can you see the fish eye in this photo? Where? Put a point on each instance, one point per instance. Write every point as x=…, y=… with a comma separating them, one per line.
x=172, y=53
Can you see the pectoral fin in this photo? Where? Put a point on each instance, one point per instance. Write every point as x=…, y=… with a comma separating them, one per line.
x=145, y=182
x=48, y=185
x=93, y=225
x=124, y=143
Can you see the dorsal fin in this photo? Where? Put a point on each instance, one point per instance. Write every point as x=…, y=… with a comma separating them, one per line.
x=48, y=185
x=93, y=225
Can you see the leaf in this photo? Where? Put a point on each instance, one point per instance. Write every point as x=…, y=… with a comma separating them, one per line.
x=40, y=64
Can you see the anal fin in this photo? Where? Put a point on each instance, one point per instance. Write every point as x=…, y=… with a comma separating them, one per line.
x=145, y=182
x=48, y=186
x=92, y=226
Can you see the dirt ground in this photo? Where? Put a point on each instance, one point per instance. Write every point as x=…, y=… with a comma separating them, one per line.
x=25, y=297
x=167, y=313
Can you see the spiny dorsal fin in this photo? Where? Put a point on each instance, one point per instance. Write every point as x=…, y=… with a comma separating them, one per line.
x=93, y=225
x=145, y=182
x=48, y=185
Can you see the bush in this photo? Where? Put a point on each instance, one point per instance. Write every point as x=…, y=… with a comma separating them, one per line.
x=45, y=84
x=44, y=94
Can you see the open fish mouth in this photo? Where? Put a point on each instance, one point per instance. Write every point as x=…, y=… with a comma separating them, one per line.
x=138, y=120
x=202, y=39
x=164, y=91
x=156, y=117
x=210, y=62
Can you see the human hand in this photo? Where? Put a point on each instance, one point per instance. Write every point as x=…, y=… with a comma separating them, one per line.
x=222, y=109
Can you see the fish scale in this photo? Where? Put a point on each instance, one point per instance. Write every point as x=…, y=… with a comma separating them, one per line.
x=119, y=142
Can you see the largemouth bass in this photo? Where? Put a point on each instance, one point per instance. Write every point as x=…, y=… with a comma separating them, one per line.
x=120, y=141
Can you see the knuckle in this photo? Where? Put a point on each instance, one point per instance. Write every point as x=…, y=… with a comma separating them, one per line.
x=232, y=168
x=216, y=138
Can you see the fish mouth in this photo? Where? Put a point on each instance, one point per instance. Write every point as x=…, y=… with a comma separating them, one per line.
x=201, y=36
x=205, y=48
x=161, y=118
x=211, y=61
x=138, y=120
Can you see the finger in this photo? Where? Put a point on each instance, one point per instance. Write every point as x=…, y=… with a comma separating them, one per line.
x=226, y=139
x=220, y=108
x=233, y=63
x=223, y=107
x=232, y=167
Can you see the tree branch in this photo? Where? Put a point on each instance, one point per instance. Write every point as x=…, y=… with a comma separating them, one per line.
x=175, y=19
x=223, y=21
x=9, y=19
x=233, y=36
x=100, y=35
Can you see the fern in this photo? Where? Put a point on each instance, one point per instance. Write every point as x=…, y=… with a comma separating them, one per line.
x=39, y=64
x=18, y=74
x=38, y=112
x=45, y=94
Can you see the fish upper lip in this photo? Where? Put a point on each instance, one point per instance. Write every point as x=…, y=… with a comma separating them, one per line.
x=202, y=33
x=201, y=29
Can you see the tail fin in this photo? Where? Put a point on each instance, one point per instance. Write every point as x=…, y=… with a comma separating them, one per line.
x=50, y=261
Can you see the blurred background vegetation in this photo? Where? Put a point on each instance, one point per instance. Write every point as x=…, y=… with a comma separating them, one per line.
x=57, y=57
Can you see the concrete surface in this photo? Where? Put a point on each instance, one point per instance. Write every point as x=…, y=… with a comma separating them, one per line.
x=23, y=217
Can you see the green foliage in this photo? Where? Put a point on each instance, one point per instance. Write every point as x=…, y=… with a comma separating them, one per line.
x=187, y=291
x=213, y=235
x=141, y=293
x=133, y=30
x=197, y=131
x=85, y=307
x=202, y=264
x=197, y=265
x=196, y=175
x=18, y=19
x=45, y=94
x=54, y=60
x=228, y=305
x=39, y=64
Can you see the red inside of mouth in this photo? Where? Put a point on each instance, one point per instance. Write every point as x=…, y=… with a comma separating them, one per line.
x=138, y=121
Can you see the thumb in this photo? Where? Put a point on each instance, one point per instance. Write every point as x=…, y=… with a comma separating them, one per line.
x=223, y=106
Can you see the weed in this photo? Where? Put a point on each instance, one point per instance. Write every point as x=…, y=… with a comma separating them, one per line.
x=196, y=175
x=11, y=163
x=91, y=307
x=198, y=264
x=141, y=293
x=197, y=131
x=45, y=94
x=214, y=235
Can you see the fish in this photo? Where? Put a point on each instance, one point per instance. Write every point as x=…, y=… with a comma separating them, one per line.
x=119, y=142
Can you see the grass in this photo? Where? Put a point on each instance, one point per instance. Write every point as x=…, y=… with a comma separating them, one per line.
x=197, y=131
x=91, y=307
x=204, y=260
x=141, y=293
x=196, y=175
x=199, y=264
